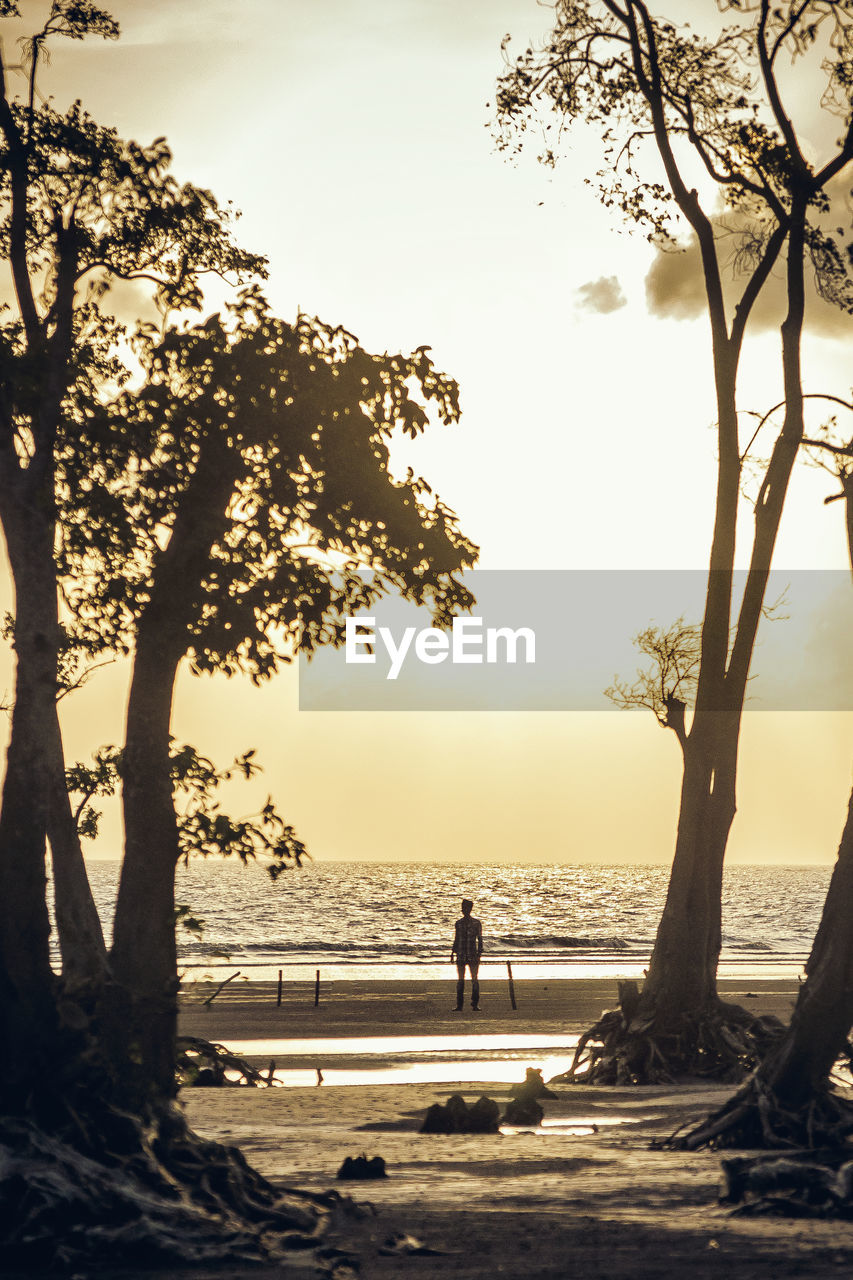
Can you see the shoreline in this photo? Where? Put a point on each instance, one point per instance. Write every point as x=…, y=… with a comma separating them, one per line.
x=611, y=968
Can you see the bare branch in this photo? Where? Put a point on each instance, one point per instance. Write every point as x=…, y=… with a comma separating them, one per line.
x=756, y=283
x=765, y=60
x=17, y=167
x=811, y=395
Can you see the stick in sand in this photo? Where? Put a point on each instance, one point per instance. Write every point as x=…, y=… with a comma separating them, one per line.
x=317, y=989
x=511, y=985
x=278, y=1001
x=210, y=999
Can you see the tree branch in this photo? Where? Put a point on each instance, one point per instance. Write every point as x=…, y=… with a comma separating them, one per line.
x=810, y=395
x=687, y=200
x=706, y=150
x=769, y=77
x=756, y=283
x=838, y=162
x=59, y=352
x=796, y=14
x=840, y=450
x=17, y=165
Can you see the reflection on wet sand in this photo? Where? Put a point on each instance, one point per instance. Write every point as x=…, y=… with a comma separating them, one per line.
x=377, y=1060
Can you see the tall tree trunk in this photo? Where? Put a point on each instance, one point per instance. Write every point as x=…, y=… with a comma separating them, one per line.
x=28, y=1008
x=144, y=957
x=777, y=1105
x=35, y=803
x=798, y=1068
x=682, y=971
x=32, y=802
x=142, y=1023
x=35, y=799
x=78, y=926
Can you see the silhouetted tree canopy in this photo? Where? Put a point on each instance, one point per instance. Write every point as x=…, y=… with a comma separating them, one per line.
x=666, y=686
x=218, y=487
x=204, y=829
x=300, y=418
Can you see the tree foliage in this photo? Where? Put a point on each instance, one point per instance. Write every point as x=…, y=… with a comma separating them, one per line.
x=667, y=685
x=644, y=80
x=204, y=829
x=299, y=419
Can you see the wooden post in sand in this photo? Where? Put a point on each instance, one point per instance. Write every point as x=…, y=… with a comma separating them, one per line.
x=511, y=985
x=317, y=989
x=278, y=1001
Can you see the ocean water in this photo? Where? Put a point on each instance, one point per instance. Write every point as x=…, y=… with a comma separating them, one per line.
x=396, y=919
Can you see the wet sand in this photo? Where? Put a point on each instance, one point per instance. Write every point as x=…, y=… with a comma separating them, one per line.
x=584, y=1197
x=525, y=1206
x=244, y=1011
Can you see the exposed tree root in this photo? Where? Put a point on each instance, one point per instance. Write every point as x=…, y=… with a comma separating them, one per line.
x=814, y=1176
x=754, y=1117
x=107, y=1191
x=205, y=1063
x=628, y=1046
x=813, y=1184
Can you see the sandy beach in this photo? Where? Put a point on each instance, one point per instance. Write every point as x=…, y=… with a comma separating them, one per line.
x=583, y=1196
x=398, y=1008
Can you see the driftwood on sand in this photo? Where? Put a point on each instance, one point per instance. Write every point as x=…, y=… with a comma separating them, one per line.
x=206, y=1064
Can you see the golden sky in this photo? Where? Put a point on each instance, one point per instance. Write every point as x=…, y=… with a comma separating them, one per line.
x=355, y=139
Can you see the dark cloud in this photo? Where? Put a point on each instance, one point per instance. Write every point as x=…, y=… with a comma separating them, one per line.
x=603, y=295
x=674, y=288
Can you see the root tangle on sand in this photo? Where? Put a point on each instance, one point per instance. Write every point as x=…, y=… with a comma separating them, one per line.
x=755, y=1118
x=108, y=1187
x=629, y=1046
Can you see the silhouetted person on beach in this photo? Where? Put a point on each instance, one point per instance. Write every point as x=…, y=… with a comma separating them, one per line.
x=467, y=949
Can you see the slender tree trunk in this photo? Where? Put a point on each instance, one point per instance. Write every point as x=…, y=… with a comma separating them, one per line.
x=144, y=957
x=143, y=1021
x=682, y=972
x=798, y=1069
x=32, y=802
x=28, y=1008
x=78, y=926
x=35, y=801
x=795, y=1073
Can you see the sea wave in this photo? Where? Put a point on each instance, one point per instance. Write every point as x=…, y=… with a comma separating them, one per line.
x=510, y=946
x=403, y=913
